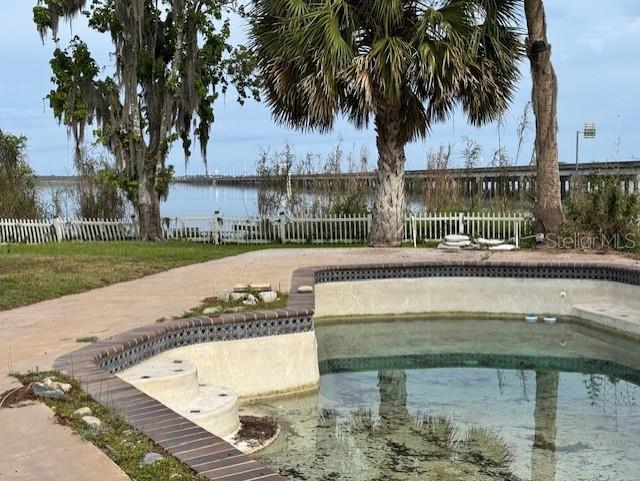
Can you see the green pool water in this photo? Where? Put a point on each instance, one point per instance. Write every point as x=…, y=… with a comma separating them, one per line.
x=464, y=400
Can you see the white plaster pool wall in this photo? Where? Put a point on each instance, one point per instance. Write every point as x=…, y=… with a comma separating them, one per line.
x=213, y=377
x=469, y=294
x=252, y=368
x=257, y=367
x=505, y=337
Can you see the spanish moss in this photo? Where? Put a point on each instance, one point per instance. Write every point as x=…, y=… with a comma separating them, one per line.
x=172, y=61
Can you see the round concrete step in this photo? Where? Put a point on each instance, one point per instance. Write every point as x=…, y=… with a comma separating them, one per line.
x=168, y=379
x=214, y=409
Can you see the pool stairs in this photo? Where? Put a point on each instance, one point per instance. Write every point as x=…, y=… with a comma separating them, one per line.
x=174, y=382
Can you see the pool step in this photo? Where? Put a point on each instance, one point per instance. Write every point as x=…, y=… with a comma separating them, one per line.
x=214, y=409
x=169, y=380
x=614, y=315
x=174, y=382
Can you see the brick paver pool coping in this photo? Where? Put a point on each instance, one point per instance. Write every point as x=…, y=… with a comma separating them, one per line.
x=94, y=366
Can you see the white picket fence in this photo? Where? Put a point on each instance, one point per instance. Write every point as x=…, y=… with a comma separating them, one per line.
x=28, y=231
x=219, y=229
x=343, y=229
x=488, y=225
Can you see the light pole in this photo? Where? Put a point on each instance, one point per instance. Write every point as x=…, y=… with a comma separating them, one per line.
x=589, y=132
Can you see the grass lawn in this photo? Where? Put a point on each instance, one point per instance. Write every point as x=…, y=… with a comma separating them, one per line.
x=30, y=274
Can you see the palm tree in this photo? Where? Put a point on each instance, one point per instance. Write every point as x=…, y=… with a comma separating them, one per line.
x=548, y=204
x=406, y=64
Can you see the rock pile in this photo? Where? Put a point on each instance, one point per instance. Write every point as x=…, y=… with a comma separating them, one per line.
x=50, y=388
x=250, y=294
x=456, y=242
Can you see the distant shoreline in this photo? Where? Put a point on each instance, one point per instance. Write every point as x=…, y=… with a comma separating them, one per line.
x=57, y=179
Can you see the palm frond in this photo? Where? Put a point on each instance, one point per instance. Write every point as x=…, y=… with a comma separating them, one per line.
x=322, y=58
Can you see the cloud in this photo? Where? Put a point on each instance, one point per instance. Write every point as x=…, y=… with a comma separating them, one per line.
x=600, y=37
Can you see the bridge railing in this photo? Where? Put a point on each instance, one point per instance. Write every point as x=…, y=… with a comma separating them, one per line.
x=220, y=229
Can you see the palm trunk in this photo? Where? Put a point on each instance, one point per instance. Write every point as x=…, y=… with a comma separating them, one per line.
x=548, y=204
x=148, y=209
x=388, y=204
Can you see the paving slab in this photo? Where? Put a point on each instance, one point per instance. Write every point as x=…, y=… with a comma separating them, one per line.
x=35, y=447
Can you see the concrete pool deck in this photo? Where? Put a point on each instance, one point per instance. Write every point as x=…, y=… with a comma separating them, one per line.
x=34, y=336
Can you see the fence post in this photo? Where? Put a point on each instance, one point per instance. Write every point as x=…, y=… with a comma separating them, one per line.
x=461, y=223
x=282, y=226
x=57, y=227
x=135, y=227
x=518, y=233
x=216, y=227
x=414, y=230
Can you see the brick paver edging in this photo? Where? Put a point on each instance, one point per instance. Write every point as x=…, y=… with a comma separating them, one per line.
x=498, y=269
x=94, y=366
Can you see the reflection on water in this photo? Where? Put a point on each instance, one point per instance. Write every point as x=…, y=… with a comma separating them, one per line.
x=189, y=199
x=530, y=419
x=183, y=200
x=543, y=455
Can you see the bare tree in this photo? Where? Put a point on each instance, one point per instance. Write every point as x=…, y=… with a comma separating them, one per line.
x=548, y=203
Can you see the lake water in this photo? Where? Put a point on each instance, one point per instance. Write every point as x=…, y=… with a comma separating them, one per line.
x=193, y=200
x=187, y=199
x=183, y=200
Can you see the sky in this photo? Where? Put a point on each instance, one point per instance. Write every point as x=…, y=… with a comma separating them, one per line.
x=595, y=54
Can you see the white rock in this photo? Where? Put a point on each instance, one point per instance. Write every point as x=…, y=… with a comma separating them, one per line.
x=463, y=243
x=254, y=287
x=446, y=247
x=224, y=296
x=65, y=387
x=211, y=310
x=85, y=411
x=305, y=289
x=50, y=383
x=92, y=421
x=456, y=238
x=503, y=247
x=269, y=296
x=250, y=300
x=151, y=458
x=489, y=242
x=40, y=389
x=237, y=296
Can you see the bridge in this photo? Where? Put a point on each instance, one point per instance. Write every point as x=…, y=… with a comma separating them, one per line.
x=489, y=180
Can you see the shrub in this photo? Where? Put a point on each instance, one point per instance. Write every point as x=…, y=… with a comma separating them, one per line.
x=97, y=196
x=599, y=205
x=333, y=194
x=18, y=192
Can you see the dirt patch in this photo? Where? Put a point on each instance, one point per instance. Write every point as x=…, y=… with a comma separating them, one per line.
x=255, y=430
x=16, y=397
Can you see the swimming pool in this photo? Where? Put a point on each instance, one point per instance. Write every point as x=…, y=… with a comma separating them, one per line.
x=463, y=400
